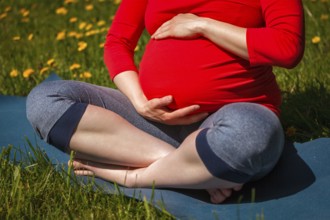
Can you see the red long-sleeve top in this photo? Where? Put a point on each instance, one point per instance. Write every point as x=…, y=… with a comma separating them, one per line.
x=197, y=71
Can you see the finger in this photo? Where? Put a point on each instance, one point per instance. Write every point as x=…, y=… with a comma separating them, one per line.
x=184, y=116
x=170, y=120
x=162, y=31
x=182, y=112
x=160, y=102
x=161, y=34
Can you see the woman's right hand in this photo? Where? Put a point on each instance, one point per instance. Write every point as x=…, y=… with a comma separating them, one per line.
x=156, y=110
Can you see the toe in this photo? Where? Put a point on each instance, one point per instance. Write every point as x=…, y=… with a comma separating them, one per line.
x=84, y=173
x=217, y=196
x=238, y=188
x=226, y=192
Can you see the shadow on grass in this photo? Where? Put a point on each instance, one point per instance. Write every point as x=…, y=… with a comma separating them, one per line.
x=307, y=112
x=290, y=176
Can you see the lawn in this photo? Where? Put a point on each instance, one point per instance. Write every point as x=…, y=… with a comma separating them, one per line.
x=66, y=36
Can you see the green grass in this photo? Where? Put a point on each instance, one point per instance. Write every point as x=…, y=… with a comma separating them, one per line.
x=33, y=189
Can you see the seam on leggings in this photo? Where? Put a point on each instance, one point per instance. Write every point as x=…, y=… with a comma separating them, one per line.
x=215, y=165
x=61, y=133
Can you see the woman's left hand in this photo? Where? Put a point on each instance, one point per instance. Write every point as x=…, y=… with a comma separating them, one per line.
x=180, y=26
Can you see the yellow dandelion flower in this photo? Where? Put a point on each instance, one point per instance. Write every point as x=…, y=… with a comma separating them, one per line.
x=101, y=45
x=13, y=73
x=82, y=45
x=70, y=1
x=27, y=73
x=117, y=2
x=82, y=25
x=16, y=38
x=3, y=15
x=89, y=33
x=79, y=35
x=61, y=11
x=75, y=66
x=324, y=17
x=24, y=12
x=92, y=32
x=316, y=40
x=60, y=35
x=72, y=34
x=105, y=29
x=51, y=62
x=291, y=131
x=43, y=70
x=75, y=34
x=88, y=27
x=73, y=19
x=89, y=7
x=101, y=23
x=7, y=9
x=30, y=37
x=87, y=75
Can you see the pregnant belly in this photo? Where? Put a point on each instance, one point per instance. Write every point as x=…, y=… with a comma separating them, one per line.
x=195, y=72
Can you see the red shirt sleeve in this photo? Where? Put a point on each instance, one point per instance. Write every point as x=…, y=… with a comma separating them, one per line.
x=281, y=41
x=123, y=36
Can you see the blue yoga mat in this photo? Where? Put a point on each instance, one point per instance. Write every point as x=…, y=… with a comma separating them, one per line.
x=298, y=188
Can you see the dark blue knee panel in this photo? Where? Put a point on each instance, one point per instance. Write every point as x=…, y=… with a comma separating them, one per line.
x=61, y=133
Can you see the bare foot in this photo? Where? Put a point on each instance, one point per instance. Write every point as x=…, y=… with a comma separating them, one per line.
x=220, y=195
x=119, y=174
x=82, y=168
x=113, y=173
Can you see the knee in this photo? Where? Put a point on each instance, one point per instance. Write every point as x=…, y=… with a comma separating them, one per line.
x=34, y=103
x=258, y=139
x=246, y=141
x=39, y=105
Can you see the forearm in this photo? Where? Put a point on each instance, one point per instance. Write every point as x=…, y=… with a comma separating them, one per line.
x=189, y=26
x=155, y=109
x=227, y=36
x=128, y=83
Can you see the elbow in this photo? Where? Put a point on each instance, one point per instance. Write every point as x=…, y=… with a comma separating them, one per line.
x=290, y=61
x=290, y=56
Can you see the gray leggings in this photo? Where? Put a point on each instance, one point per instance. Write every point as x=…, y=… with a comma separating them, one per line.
x=240, y=142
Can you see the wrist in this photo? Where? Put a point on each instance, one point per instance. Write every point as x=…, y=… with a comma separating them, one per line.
x=202, y=25
x=138, y=102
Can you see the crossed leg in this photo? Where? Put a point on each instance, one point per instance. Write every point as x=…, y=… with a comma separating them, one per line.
x=109, y=147
x=104, y=136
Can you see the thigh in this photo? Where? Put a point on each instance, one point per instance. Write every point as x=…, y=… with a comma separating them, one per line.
x=50, y=100
x=241, y=138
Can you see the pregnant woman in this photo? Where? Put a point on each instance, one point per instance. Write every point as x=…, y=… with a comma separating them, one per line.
x=202, y=109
